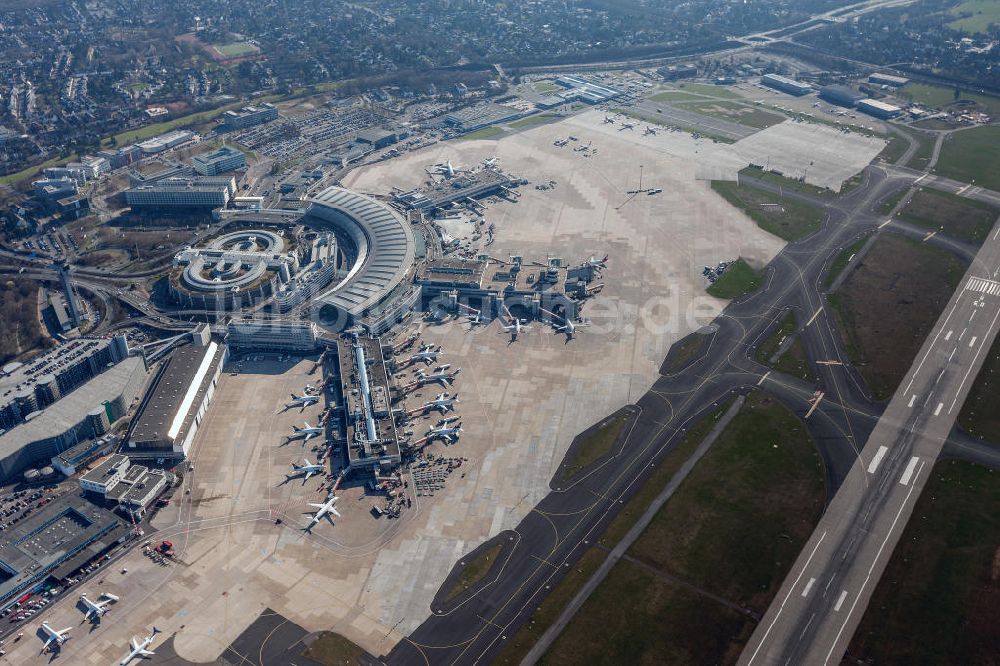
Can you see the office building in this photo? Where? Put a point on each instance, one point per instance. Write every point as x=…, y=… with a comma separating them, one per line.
x=175, y=193
x=165, y=141
x=785, y=84
x=219, y=161
x=675, y=72
x=249, y=115
x=132, y=487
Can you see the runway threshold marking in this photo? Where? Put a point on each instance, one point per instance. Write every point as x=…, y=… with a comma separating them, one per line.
x=877, y=459
x=805, y=590
x=763, y=377
x=840, y=601
x=908, y=472
x=813, y=318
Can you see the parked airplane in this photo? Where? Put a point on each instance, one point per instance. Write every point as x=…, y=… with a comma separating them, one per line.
x=426, y=355
x=441, y=378
x=445, y=169
x=323, y=511
x=626, y=126
x=57, y=637
x=598, y=263
x=443, y=402
x=446, y=421
x=140, y=650
x=308, y=470
x=649, y=130
x=308, y=432
x=515, y=326
x=448, y=434
x=97, y=609
x=474, y=315
x=302, y=401
x=609, y=120
x=567, y=326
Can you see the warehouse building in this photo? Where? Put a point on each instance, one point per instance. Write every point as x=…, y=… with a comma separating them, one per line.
x=85, y=413
x=785, y=84
x=840, y=95
x=888, y=80
x=219, y=161
x=55, y=541
x=176, y=402
x=874, y=107
x=179, y=193
x=675, y=72
x=481, y=115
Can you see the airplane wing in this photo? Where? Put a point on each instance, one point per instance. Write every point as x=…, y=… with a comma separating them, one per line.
x=318, y=506
x=146, y=653
x=134, y=644
x=335, y=512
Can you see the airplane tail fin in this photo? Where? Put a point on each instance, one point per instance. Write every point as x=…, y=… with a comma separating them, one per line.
x=156, y=631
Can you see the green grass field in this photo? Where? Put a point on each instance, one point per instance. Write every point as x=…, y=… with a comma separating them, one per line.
x=842, y=259
x=545, y=87
x=736, y=112
x=941, y=96
x=733, y=529
x=537, y=119
x=965, y=219
x=598, y=443
x=972, y=155
x=475, y=570
x=675, y=96
x=330, y=649
x=937, y=601
x=787, y=183
x=914, y=282
x=737, y=280
x=976, y=15
x=709, y=90
x=980, y=415
x=782, y=216
x=793, y=360
x=484, y=133
x=236, y=49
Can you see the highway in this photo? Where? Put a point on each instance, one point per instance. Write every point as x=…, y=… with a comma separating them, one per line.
x=825, y=594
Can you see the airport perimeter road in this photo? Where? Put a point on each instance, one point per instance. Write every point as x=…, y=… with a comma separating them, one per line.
x=822, y=600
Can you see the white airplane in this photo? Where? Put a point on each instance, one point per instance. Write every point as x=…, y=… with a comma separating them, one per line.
x=448, y=434
x=302, y=401
x=446, y=421
x=473, y=314
x=425, y=355
x=598, y=263
x=491, y=161
x=57, y=637
x=308, y=432
x=626, y=126
x=515, y=326
x=567, y=326
x=97, y=609
x=139, y=650
x=308, y=469
x=442, y=368
x=649, y=130
x=440, y=377
x=443, y=402
x=609, y=120
x=323, y=511
x=445, y=169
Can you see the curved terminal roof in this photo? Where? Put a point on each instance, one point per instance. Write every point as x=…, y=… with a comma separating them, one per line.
x=385, y=247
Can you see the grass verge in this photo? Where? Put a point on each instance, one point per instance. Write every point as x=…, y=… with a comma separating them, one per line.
x=732, y=529
x=537, y=119
x=475, y=570
x=907, y=278
x=843, y=259
x=980, y=415
x=787, y=183
x=737, y=280
x=484, y=133
x=332, y=649
x=686, y=350
x=735, y=112
x=782, y=216
x=938, y=598
x=595, y=445
x=964, y=219
x=793, y=360
x=972, y=155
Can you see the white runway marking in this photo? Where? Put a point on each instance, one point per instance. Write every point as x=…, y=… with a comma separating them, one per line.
x=930, y=236
x=947, y=336
x=840, y=601
x=877, y=458
x=937, y=410
x=813, y=318
x=912, y=399
x=763, y=377
x=885, y=223
x=973, y=340
x=808, y=587
x=908, y=472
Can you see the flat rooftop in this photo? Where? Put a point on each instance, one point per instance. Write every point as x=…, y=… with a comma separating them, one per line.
x=353, y=401
x=18, y=376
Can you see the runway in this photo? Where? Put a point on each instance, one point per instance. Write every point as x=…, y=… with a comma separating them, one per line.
x=825, y=595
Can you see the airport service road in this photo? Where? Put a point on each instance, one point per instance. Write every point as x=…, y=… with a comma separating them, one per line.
x=822, y=600
x=967, y=190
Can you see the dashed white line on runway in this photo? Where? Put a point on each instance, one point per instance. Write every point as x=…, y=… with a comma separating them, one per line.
x=877, y=458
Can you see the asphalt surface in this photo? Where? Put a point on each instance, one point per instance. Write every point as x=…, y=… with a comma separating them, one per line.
x=826, y=592
x=569, y=519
